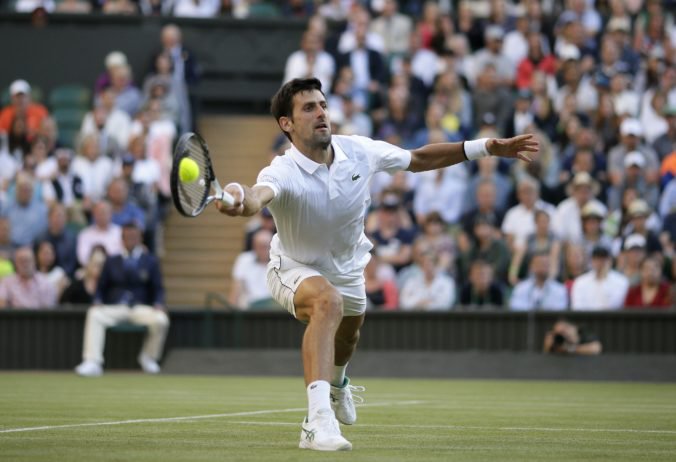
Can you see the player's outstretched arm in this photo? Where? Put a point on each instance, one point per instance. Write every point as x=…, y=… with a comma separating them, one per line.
x=434, y=156
x=248, y=200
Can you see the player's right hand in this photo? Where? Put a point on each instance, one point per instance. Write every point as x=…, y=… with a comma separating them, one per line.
x=237, y=208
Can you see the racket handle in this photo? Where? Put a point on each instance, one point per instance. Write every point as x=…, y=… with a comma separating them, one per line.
x=226, y=198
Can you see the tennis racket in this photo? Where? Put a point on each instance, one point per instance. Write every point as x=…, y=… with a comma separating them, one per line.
x=190, y=199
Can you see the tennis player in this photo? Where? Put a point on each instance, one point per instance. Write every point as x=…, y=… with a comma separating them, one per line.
x=318, y=193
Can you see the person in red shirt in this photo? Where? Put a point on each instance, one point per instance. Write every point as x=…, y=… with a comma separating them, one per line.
x=652, y=291
x=22, y=106
x=536, y=60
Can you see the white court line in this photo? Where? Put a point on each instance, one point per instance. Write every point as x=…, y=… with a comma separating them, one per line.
x=189, y=418
x=468, y=427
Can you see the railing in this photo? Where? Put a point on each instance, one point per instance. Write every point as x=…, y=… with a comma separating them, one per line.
x=53, y=339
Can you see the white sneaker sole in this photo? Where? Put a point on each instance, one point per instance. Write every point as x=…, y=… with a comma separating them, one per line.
x=347, y=446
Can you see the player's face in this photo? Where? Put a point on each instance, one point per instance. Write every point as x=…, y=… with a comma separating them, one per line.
x=310, y=126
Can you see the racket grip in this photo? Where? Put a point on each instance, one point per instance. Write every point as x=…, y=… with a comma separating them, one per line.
x=227, y=199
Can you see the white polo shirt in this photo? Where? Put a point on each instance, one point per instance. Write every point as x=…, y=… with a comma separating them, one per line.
x=319, y=211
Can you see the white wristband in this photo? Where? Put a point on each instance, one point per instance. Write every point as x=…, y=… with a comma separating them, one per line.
x=238, y=186
x=476, y=149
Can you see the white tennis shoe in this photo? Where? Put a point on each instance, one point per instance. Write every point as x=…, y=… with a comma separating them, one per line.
x=323, y=433
x=342, y=402
x=89, y=368
x=148, y=364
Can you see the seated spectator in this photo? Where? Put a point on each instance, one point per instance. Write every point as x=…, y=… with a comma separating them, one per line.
x=651, y=291
x=82, y=289
x=634, y=176
x=539, y=291
x=111, y=124
x=62, y=238
x=101, y=232
x=130, y=289
x=430, y=289
x=537, y=60
x=631, y=136
x=441, y=191
x=567, y=338
x=435, y=233
x=248, y=285
x=381, y=288
x=113, y=60
x=488, y=247
x=264, y=220
x=45, y=259
x=393, y=28
x=18, y=138
x=592, y=232
x=66, y=186
x=126, y=7
x=45, y=167
x=502, y=187
x=128, y=97
x=123, y=210
x=311, y=61
x=21, y=104
x=481, y=291
x=639, y=213
x=26, y=288
x=29, y=6
x=28, y=216
x=94, y=169
x=519, y=221
x=543, y=240
x=567, y=220
x=391, y=239
x=630, y=259
x=486, y=208
x=600, y=289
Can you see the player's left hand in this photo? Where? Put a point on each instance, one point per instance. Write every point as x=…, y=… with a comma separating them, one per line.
x=517, y=147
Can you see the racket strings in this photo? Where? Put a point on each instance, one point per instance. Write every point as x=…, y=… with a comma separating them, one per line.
x=193, y=195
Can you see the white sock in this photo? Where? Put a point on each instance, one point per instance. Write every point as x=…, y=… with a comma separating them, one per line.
x=318, y=397
x=338, y=375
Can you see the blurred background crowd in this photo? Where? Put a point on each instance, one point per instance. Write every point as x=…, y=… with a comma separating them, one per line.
x=589, y=225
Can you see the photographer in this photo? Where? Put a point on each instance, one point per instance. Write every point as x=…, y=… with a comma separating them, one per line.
x=567, y=338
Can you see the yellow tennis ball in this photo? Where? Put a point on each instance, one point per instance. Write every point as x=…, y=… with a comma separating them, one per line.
x=188, y=170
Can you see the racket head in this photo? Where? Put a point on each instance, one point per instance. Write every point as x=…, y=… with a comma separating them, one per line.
x=190, y=199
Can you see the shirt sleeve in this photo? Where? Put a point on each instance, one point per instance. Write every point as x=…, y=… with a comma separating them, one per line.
x=384, y=157
x=273, y=176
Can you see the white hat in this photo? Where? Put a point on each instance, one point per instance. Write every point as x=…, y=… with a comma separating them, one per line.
x=19, y=86
x=619, y=24
x=633, y=241
x=631, y=127
x=593, y=209
x=634, y=158
x=569, y=52
x=115, y=58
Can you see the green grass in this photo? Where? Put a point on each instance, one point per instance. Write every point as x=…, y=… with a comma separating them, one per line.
x=412, y=420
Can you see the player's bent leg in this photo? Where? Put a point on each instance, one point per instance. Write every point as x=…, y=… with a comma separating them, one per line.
x=342, y=399
x=319, y=304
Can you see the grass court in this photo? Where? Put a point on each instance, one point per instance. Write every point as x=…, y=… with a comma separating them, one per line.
x=134, y=417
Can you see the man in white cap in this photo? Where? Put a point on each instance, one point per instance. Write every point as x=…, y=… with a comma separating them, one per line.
x=567, y=220
x=634, y=177
x=631, y=136
x=34, y=113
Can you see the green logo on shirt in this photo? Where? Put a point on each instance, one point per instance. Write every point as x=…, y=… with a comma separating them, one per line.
x=356, y=176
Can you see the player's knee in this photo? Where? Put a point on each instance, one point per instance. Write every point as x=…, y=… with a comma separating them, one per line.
x=329, y=304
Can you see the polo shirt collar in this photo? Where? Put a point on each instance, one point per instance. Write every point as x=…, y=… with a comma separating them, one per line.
x=310, y=165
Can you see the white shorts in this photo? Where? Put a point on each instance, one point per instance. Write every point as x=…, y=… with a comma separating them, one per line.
x=285, y=275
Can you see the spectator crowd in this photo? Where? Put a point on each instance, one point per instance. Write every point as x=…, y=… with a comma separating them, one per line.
x=63, y=210
x=589, y=225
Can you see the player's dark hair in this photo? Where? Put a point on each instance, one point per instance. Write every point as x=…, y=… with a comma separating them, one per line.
x=281, y=104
